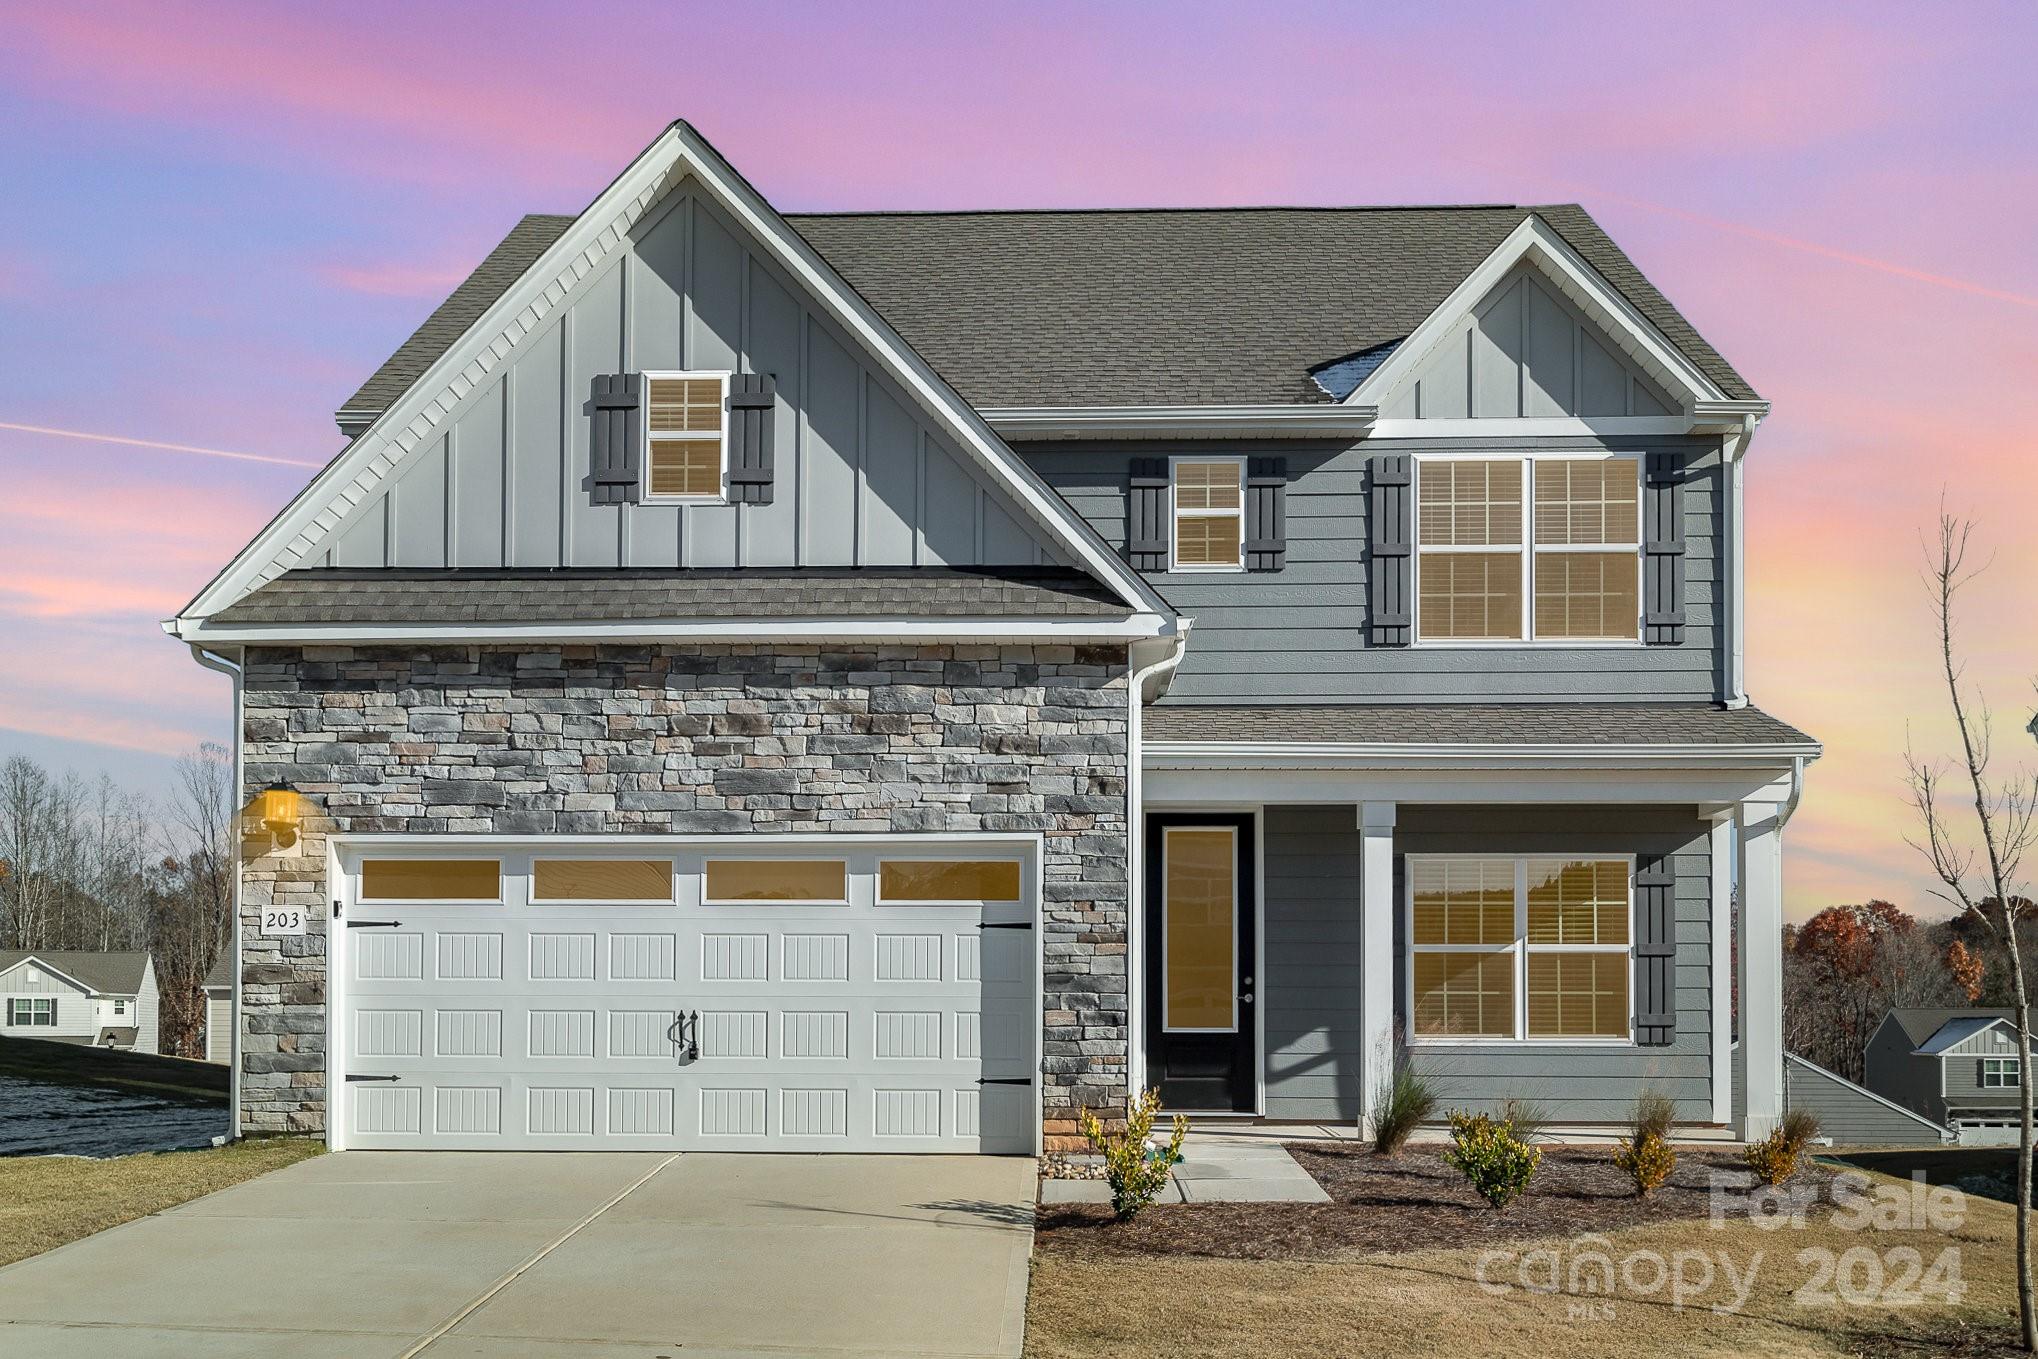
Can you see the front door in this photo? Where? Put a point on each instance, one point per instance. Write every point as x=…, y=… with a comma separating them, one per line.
x=1200, y=950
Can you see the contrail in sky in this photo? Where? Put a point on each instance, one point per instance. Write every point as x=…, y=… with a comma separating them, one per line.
x=151, y=443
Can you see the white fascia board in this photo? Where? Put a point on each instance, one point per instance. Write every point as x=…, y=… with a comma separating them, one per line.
x=1410, y=755
x=1187, y=422
x=526, y=305
x=1535, y=240
x=1517, y=785
x=653, y=631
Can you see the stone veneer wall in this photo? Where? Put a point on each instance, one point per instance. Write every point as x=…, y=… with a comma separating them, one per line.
x=479, y=740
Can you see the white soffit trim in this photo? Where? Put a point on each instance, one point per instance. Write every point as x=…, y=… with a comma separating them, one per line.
x=1206, y=422
x=601, y=230
x=853, y=630
x=1537, y=242
x=1416, y=755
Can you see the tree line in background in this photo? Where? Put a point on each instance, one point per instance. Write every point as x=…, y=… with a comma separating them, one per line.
x=92, y=866
x=1848, y=966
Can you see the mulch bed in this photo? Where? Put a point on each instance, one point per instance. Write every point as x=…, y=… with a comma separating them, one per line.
x=1408, y=1203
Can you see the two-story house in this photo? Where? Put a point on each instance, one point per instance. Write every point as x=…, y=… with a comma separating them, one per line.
x=885, y=681
x=1956, y=1065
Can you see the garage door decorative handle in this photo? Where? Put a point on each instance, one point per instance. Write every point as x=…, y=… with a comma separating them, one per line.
x=685, y=1033
x=1004, y=1080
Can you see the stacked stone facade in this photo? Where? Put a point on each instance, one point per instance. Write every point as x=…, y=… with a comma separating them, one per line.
x=693, y=740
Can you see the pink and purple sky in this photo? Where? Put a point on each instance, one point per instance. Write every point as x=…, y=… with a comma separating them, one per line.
x=218, y=218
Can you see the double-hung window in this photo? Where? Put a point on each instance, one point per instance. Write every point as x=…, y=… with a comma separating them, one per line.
x=1209, y=514
x=2000, y=1073
x=1513, y=948
x=32, y=1011
x=686, y=453
x=1528, y=549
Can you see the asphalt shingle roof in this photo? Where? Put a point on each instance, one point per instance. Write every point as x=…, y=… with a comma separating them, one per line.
x=1585, y=724
x=113, y=974
x=1218, y=306
x=452, y=597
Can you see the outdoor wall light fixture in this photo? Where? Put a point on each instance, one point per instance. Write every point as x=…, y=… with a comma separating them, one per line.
x=280, y=809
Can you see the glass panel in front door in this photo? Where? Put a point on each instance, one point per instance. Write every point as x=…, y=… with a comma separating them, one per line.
x=1200, y=929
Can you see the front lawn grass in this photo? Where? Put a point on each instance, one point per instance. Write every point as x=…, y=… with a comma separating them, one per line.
x=48, y=1200
x=1244, y=1291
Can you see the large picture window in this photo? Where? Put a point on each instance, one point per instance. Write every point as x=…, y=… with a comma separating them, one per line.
x=1528, y=549
x=1512, y=948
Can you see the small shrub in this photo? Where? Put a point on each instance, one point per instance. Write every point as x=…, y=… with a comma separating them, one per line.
x=1406, y=1099
x=1774, y=1159
x=1645, y=1154
x=1135, y=1170
x=1489, y=1153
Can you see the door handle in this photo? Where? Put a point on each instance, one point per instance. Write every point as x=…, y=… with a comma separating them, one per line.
x=693, y=1032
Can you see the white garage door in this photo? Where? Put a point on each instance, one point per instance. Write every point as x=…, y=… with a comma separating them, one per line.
x=729, y=996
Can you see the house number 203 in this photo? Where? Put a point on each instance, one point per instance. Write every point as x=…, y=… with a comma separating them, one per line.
x=283, y=920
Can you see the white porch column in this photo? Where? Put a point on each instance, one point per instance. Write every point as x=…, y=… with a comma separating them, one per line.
x=1721, y=852
x=1759, y=864
x=1376, y=953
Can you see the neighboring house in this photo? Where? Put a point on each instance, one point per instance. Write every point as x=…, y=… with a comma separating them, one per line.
x=102, y=999
x=219, y=1009
x=887, y=681
x=1956, y=1065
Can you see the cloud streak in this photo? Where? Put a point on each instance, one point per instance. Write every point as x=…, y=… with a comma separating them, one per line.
x=91, y=437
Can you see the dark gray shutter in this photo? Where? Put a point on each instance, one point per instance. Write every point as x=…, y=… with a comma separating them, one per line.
x=1146, y=515
x=616, y=438
x=753, y=411
x=1266, y=514
x=1663, y=551
x=1389, y=573
x=1655, y=951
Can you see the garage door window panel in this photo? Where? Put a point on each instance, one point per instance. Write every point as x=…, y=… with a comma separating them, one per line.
x=789, y=882
x=947, y=882
x=601, y=880
x=431, y=880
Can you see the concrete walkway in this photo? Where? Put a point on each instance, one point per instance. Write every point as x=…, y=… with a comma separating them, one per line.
x=1216, y=1167
x=513, y=1256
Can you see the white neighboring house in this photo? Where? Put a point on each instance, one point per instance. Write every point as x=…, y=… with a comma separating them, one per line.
x=102, y=999
x=219, y=1009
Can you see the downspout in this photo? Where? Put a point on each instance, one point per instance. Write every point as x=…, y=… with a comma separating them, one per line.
x=1734, y=451
x=214, y=661
x=1152, y=677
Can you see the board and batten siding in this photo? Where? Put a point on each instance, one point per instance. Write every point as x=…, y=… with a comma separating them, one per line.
x=1581, y=1082
x=1315, y=1066
x=77, y=1010
x=1299, y=635
x=1960, y=1066
x=862, y=478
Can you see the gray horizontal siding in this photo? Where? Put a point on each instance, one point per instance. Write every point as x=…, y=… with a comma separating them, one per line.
x=1580, y=1083
x=1299, y=635
x=1310, y=968
x=1311, y=965
x=1847, y=1113
x=862, y=477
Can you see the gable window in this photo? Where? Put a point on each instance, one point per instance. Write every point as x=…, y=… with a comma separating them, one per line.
x=32, y=1011
x=1514, y=948
x=686, y=454
x=1209, y=514
x=2000, y=1073
x=1528, y=549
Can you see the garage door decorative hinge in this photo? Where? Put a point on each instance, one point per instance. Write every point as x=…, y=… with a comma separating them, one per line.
x=373, y=924
x=352, y=1077
x=1005, y=925
x=985, y=1080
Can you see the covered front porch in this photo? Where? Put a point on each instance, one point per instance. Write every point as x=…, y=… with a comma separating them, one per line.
x=1529, y=921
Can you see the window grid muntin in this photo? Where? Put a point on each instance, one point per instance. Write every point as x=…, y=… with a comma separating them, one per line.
x=1520, y=950
x=2000, y=1073
x=1527, y=546
x=697, y=422
x=1216, y=523
x=33, y=1012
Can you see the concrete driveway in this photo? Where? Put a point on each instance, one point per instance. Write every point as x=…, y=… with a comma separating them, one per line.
x=488, y=1256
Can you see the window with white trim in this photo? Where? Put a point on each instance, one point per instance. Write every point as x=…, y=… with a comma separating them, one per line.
x=1528, y=549
x=1209, y=514
x=2000, y=1073
x=120, y=1007
x=686, y=454
x=32, y=1011
x=1520, y=947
